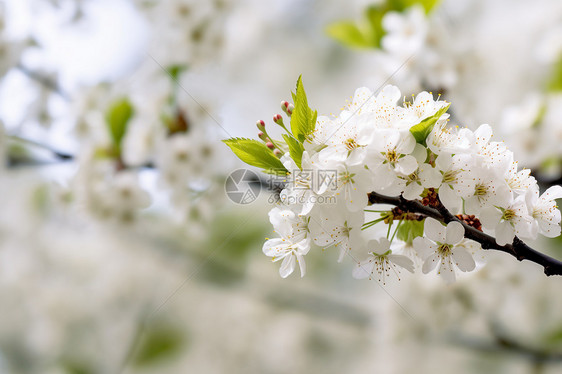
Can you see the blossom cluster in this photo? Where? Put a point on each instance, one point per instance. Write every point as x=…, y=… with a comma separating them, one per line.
x=425, y=45
x=380, y=144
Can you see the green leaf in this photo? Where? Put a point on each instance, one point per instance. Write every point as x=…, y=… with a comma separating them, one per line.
x=348, y=34
x=295, y=149
x=555, y=83
x=176, y=70
x=409, y=230
x=368, y=32
x=160, y=342
x=422, y=130
x=117, y=117
x=373, y=28
x=303, y=119
x=255, y=153
x=401, y=5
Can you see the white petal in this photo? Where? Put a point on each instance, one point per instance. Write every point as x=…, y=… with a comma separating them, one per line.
x=302, y=265
x=420, y=153
x=548, y=229
x=407, y=165
x=412, y=191
x=424, y=247
x=446, y=271
x=430, y=177
x=463, y=259
x=430, y=263
x=472, y=205
x=383, y=177
x=275, y=246
x=402, y=261
x=434, y=230
x=449, y=198
x=553, y=193
x=490, y=217
x=287, y=266
x=363, y=269
x=504, y=233
x=454, y=233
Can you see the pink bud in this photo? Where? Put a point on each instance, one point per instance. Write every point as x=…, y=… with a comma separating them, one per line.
x=261, y=125
x=278, y=119
x=270, y=145
x=277, y=152
x=287, y=108
x=261, y=135
x=290, y=109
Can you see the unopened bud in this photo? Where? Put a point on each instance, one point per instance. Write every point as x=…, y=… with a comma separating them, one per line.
x=290, y=109
x=287, y=108
x=278, y=120
x=270, y=145
x=277, y=152
x=261, y=125
x=262, y=136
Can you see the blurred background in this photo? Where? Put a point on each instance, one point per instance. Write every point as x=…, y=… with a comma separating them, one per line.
x=119, y=249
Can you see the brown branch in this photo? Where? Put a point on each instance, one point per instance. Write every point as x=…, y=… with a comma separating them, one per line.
x=518, y=249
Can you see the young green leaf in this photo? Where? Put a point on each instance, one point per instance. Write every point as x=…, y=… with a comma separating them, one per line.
x=368, y=32
x=348, y=34
x=555, y=83
x=427, y=5
x=295, y=149
x=409, y=230
x=255, y=153
x=422, y=130
x=176, y=70
x=117, y=117
x=303, y=119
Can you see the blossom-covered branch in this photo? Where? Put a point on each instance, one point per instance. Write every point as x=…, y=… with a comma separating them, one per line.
x=518, y=249
x=330, y=164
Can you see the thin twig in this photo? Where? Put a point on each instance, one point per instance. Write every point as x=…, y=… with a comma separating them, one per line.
x=518, y=249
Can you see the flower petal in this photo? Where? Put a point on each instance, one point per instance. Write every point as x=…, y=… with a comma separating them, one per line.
x=504, y=233
x=490, y=217
x=287, y=266
x=407, y=165
x=463, y=259
x=446, y=270
x=402, y=261
x=434, y=230
x=364, y=269
x=430, y=263
x=454, y=233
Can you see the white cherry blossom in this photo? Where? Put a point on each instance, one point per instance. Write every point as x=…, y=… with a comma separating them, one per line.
x=444, y=246
x=381, y=262
x=291, y=251
x=390, y=154
x=544, y=210
x=508, y=221
x=332, y=227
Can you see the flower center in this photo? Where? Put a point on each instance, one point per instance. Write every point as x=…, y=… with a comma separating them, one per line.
x=481, y=190
x=392, y=156
x=303, y=180
x=414, y=177
x=351, y=144
x=450, y=176
x=444, y=250
x=347, y=177
x=345, y=229
x=508, y=214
